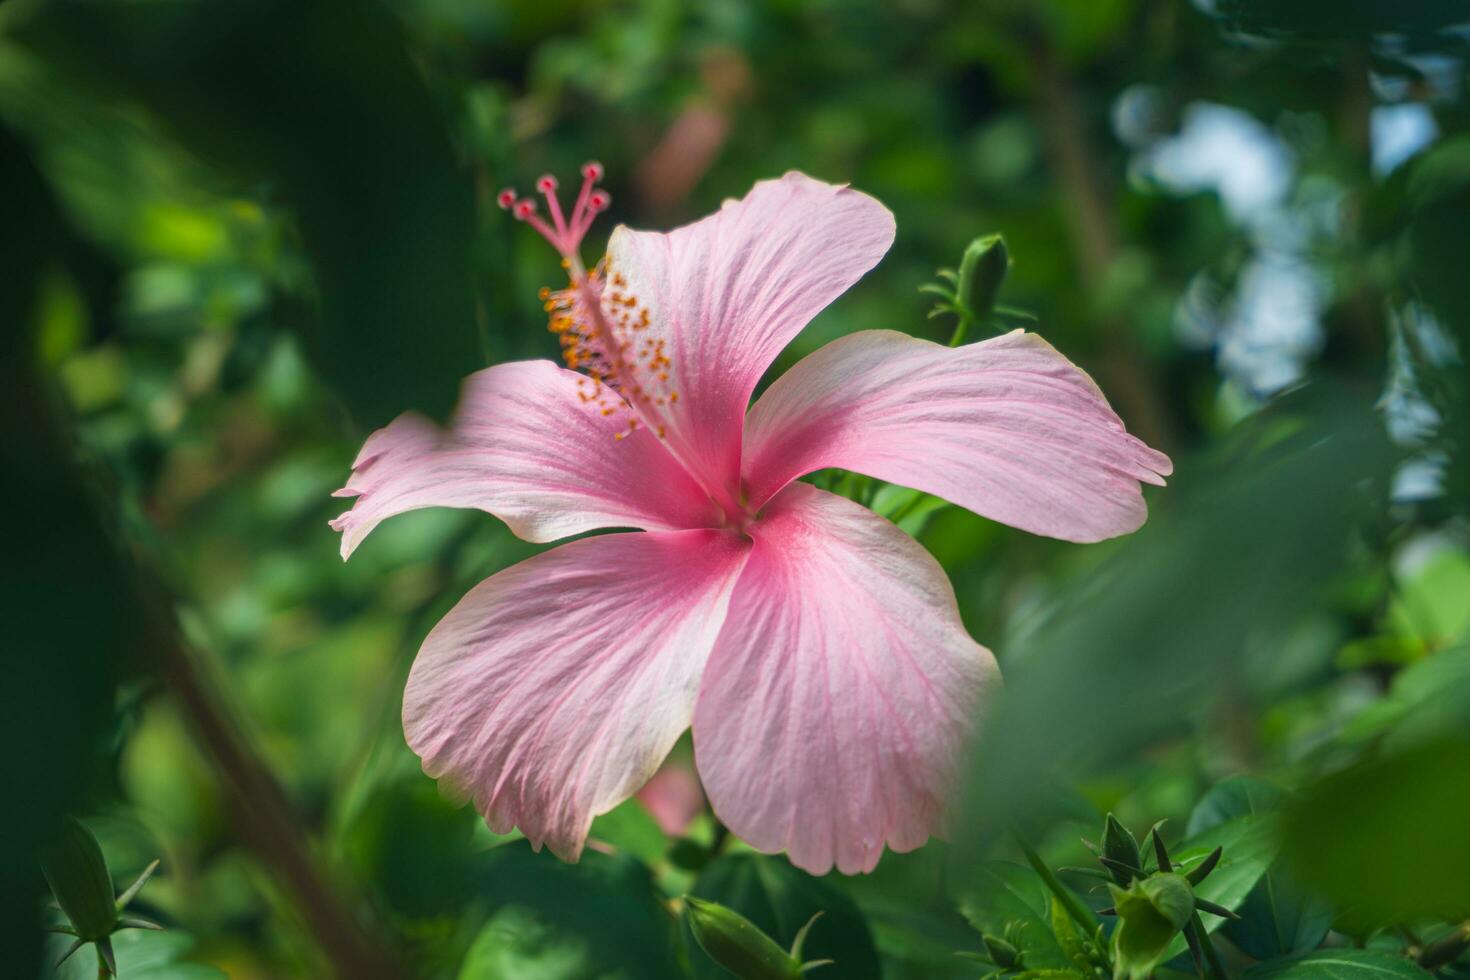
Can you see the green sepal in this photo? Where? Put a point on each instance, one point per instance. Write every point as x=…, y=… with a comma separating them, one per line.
x=1151, y=913
x=1202, y=870
x=76, y=945
x=1214, y=909
x=131, y=892
x=138, y=922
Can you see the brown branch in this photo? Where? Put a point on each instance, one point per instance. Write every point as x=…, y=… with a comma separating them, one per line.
x=264, y=820
x=1093, y=228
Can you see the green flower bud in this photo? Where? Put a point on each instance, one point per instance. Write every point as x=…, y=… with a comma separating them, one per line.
x=983, y=268
x=1120, y=847
x=1151, y=913
x=77, y=873
x=734, y=942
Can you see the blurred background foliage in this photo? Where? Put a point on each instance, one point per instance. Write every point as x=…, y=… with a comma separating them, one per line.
x=238, y=235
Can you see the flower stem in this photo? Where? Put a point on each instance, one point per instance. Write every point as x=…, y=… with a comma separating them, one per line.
x=1079, y=913
x=1212, y=956
x=961, y=328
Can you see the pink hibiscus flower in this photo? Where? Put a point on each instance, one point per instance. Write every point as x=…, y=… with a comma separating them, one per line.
x=815, y=648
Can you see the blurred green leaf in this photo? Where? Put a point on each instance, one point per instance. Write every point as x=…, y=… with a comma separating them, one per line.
x=1428, y=700
x=71, y=625
x=1385, y=839
x=629, y=827
x=606, y=904
x=141, y=955
x=1242, y=548
x=516, y=945
x=415, y=846
x=385, y=211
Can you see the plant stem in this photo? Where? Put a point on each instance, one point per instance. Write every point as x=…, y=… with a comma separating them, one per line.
x=960, y=330
x=1075, y=162
x=1078, y=912
x=1212, y=956
x=265, y=821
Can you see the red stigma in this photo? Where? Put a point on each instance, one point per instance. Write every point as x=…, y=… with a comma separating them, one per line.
x=563, y=232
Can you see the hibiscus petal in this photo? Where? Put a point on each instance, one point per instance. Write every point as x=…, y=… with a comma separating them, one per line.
x=841, y=690
x=1007, y=428
x=727, y=293
x=554, y=689
x=526, y=447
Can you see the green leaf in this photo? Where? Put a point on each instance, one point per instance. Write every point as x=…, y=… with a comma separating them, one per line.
x=605, y=904
x=1386, y=839
x=1238, y=796
x=1249, y=841
x=1338, y=964
x=397, y=329
x=998, y=893
x=141, y=955
x=515, y=943
x=1427, y=701
x=1277, y=917
x=779, y=899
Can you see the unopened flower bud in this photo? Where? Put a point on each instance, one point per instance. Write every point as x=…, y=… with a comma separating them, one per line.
x=734, y=942
x=1121, y=849
x=77, y=873
x=982, y=270
x=1151, y=913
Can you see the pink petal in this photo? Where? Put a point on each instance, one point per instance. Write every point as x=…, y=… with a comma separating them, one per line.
x=673, y=797
x=727, y=293
x=525, y=447
x=840, y=691
x=554, y=689
x=1007, y=428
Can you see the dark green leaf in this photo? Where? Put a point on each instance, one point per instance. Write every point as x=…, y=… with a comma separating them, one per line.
x=1386, y=839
